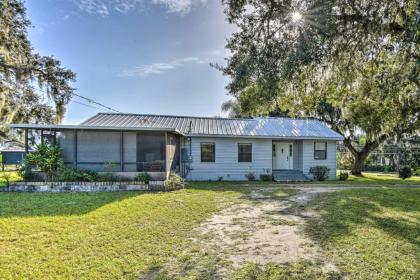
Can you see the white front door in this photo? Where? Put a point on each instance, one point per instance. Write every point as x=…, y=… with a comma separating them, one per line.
x=282, y=155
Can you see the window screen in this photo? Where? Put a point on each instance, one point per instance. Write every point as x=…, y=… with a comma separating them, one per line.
x=244, y=152
x=320, y=150
x=208, y=152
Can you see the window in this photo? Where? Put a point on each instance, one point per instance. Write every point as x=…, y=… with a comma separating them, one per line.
x=208, y=152
x=320, y=150
x=244, y=152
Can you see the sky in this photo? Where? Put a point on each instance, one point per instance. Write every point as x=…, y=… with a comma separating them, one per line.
x=136, y=56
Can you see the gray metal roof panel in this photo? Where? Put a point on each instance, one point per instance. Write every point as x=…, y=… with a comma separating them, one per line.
x=203, y=126
x=260, y=127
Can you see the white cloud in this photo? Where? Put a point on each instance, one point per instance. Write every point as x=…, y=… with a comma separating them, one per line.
x=179, y=6
x=103, y=7
x=160, y=67
x=93, y=7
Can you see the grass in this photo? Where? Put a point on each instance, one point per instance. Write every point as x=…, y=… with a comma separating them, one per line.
x=375, y=178
x=368, y=233
x=101, y=235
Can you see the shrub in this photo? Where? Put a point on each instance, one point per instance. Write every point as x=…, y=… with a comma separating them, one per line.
x=266, y=177
x=28, y=175
x=174, y=182
x=220, y=178
x=107, y=177
x=250, y=176
x=405, y=172
x=319, y=173
x=343, y=176
x=67, y=174
x=87, y=175
x=143, y=177
x=6, y=177
x=45, y=158
x=389, y=168
x=377, y=168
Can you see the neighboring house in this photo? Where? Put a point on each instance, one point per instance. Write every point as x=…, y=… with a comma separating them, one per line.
x=198, y=148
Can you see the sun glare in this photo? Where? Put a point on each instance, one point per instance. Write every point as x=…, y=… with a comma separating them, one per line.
x=296, y=16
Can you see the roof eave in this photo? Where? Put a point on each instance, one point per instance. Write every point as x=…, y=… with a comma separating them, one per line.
x=269, y=137
x=88, y=127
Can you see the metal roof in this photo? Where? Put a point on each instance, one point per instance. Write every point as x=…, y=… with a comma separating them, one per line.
x=203, y=126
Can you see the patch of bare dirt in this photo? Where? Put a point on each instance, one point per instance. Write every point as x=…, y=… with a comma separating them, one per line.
x=262, y=229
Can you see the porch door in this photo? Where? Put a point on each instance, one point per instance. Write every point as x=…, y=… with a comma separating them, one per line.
x=282, y=155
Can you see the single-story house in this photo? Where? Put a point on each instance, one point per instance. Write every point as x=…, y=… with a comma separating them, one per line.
x=197, y=148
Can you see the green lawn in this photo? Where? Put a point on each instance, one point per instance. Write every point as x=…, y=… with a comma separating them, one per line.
x=99, y=235
x=376, y=178
x=368, y=233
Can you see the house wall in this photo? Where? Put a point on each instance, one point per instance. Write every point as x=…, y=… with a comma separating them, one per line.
x=308, y=157
x=226, y=164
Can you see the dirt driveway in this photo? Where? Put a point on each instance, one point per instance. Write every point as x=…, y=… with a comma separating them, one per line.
x=266, y=227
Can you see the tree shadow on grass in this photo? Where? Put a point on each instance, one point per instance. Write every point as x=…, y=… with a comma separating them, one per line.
x=342, y=212
x=57, y=204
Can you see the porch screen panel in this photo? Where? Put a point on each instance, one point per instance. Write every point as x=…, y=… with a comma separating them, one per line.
x=151, y=151
x=65, y=140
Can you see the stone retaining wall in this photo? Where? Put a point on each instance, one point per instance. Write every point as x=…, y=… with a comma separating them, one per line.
x=82, y=186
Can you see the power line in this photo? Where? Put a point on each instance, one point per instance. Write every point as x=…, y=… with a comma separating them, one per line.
x=95, y=102
x=87, y=105
x=74, y=94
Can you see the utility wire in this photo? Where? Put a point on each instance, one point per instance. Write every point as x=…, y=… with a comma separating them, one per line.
x=77, y=95
x=87, y=105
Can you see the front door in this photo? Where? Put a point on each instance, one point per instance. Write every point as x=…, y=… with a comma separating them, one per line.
x=282, y=155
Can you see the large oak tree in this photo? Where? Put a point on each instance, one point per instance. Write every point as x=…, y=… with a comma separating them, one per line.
x=351, y=63
x=33, y=88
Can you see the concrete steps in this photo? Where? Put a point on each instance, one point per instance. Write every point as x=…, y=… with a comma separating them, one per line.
x=287, y=175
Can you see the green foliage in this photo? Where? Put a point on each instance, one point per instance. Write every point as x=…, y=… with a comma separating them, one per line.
x=69, y=174
x=343, y=176
x=46, y=159
x=250, y=176
x=21, y=67
x=319, y=172
x=107, y=177
x=316, y=67
x=266, y=177
x=378, y=168
x=143, y=177
x=344, y=161
x=174, y=182
x=405, y=172
x=389, y=168
x=6, y=177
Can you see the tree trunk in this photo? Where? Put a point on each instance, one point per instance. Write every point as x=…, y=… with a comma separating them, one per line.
x=359, y=160
x=360, y=156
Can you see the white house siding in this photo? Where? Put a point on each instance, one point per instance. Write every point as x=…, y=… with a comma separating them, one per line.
x=308, y=157
x=226, y=164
